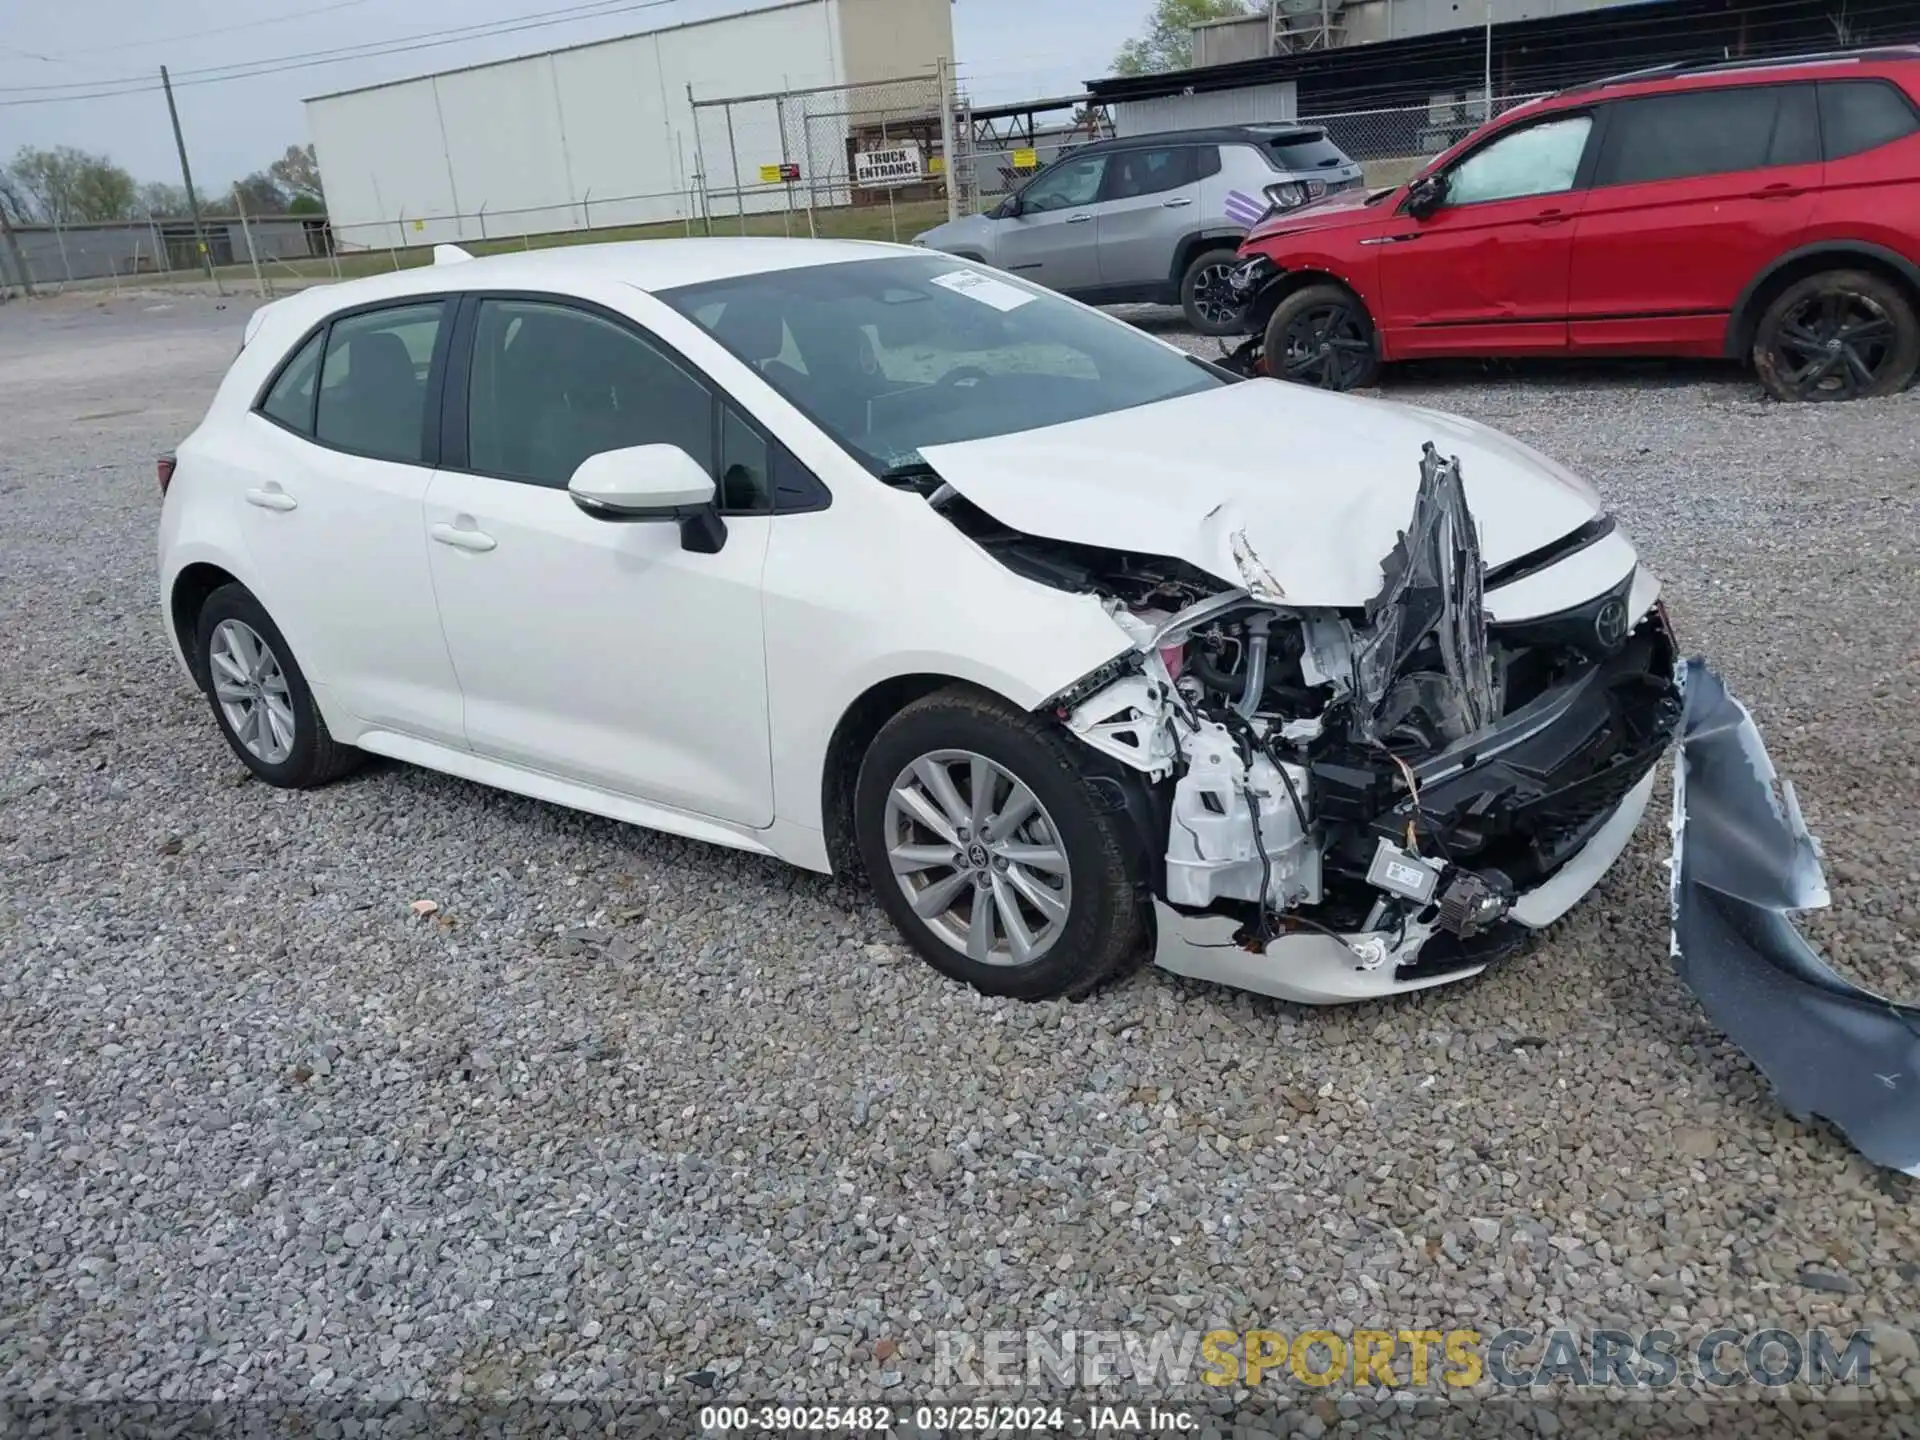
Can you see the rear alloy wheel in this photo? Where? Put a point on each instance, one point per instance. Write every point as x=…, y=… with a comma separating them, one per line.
x=1322, y=335
x=259, y=696
x=986, y=847
x=1842, y=335
x=1207, y=298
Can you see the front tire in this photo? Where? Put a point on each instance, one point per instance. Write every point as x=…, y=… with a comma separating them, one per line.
x=260, y=699
x=988, y=850
x=1205, y=296
x=1840, y=335
x=1322, y=335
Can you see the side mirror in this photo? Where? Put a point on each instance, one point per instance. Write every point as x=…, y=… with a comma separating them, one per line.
x=651, y=482
x=1426, y=195
x=1008, y=209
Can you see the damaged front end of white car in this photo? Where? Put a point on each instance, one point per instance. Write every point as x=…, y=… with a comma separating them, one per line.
x=1365, y=802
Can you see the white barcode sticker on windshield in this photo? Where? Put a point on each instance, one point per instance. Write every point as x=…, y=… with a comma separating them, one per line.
x=984, y=288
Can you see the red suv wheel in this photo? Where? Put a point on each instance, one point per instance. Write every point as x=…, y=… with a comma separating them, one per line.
x=1839, y=335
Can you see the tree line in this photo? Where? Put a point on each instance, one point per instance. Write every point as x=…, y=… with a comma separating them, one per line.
x=67, y=186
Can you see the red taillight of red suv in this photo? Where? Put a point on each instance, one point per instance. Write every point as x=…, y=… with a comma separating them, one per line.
x=163, y=467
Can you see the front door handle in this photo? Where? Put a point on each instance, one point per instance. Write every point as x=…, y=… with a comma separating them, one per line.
x=1780, y=191
x=462, y=538
x=1078, y=219
x=1551, y=217
x=1175, y=204
x=272, y=497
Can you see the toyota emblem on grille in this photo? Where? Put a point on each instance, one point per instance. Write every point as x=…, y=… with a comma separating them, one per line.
x=1610, y=625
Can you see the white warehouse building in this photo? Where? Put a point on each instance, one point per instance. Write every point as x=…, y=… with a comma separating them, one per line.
x=604, y=133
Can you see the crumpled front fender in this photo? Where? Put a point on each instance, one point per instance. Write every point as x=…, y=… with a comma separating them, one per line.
x=1743, y=861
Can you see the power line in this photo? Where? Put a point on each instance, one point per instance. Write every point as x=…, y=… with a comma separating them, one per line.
x=204, y=34
x=307, y=59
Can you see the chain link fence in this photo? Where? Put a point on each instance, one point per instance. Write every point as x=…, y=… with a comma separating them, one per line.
x=1391, y=145
x=804, y=156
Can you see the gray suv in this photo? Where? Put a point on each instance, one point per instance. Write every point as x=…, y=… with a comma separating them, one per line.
x=1152, y=219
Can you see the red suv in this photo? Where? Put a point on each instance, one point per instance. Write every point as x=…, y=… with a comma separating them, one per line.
x=1764, y=209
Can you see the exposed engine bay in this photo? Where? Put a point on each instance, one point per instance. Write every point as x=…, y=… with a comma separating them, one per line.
x=1389, y=781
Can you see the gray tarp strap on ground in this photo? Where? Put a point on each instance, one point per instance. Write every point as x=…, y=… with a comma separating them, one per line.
x=1742, y=862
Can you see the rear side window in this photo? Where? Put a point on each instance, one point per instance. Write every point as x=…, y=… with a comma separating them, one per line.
x=1133, y=173
x=1707, y=132
x=1296, y=152
x=290, y=401
x=373, y=385
x=1207, y=160
x=1859, y=115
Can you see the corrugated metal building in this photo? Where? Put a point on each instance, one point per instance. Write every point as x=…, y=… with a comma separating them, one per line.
x=1529, y=55
x=591, y=135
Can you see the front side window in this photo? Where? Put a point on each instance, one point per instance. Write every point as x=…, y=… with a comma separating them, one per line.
x=890, y=355
x=290, y=401
x=1708, y=132
x=1071, y=182
x=1542, y=159
x=1860, y=115
x=552, y=385
x=373, y=385
x=1150, y=172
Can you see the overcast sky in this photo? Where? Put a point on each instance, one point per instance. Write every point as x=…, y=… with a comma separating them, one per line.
x=1008, y=50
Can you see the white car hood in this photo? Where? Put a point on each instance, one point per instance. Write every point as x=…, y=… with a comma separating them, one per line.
x=1311, y=488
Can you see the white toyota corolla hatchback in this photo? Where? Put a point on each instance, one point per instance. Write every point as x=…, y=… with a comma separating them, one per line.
x=870, y=558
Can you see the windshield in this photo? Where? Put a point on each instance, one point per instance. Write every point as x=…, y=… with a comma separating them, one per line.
x=890, y=355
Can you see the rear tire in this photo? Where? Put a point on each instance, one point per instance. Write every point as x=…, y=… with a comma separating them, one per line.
x=1322, y=335
x=1838, y=335
x=260, y=698
x=1204, y=295
x=1061, y=881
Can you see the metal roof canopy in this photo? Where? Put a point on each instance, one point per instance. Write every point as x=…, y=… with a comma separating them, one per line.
x=1540, y=54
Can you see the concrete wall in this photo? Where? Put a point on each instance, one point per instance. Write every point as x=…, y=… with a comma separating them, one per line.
x=1371, y=20
x=93, y=252
x=888, y=39
x=591, y=136
x=1245, y=106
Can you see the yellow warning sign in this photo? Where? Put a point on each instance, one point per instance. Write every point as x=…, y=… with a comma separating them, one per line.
x=1026, y=159
x=769, y=174
x=419, y=224
x=937, y=165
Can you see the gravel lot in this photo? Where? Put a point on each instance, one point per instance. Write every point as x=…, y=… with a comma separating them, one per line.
x=628, y=1108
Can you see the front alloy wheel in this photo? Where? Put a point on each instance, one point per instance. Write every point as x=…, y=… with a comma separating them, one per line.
x=994, y=849
x=978, y=858
x=1322, y=335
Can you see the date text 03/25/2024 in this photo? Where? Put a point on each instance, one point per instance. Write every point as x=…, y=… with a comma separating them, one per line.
x=945, y=1419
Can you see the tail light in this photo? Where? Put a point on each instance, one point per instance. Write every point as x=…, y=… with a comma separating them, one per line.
x=1292, y=194
x=163, y=467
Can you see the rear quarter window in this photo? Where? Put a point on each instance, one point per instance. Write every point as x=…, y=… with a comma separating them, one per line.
x=1861, y=115
x=1297, y=153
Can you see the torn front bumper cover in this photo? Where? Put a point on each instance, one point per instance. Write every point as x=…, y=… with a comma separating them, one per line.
x=1742, y=863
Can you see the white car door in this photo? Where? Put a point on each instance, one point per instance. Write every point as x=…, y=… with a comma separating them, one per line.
x=598, y=650
x=331, y=517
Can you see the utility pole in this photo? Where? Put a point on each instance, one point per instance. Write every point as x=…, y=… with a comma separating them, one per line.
x=12, y=244
x=186, y=175
x=1487, y=113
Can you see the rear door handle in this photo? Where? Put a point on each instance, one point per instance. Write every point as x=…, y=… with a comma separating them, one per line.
x=461, y=537
x=272, y=497
x=1176, y=203
x=1078, y=219
x=1778, y=192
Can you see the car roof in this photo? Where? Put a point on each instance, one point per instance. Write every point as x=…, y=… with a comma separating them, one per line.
x=649, y=265
x=1712, y=74
x=1214, y=135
